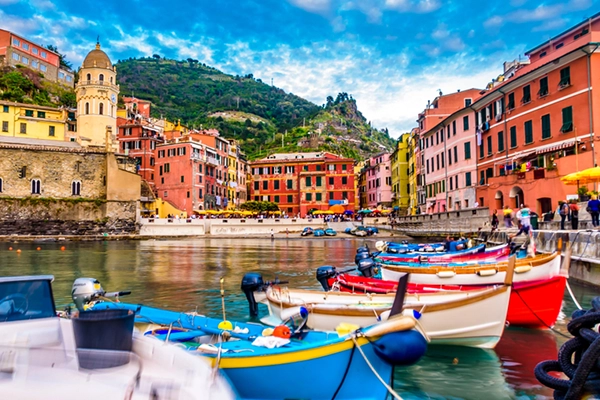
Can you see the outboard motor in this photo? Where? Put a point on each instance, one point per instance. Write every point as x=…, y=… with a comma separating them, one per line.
x=366, y=267
x=251, y=282
x=325, y=273
x=361, y=256
x=85, y=290
x=362, y=249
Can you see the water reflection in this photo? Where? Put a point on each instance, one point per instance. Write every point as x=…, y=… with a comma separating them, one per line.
x=184, y=275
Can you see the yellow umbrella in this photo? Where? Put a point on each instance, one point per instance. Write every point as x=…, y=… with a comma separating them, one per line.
x=589, y=175
x=275, y=212
x=328, y=212
x=201, y=212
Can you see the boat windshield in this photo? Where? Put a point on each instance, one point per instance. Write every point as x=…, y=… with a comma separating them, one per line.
x=30, y=299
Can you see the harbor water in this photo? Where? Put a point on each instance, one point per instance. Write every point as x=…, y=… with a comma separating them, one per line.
x=184, y=275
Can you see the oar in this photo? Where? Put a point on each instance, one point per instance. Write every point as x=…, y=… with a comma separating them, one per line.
x=225, y=325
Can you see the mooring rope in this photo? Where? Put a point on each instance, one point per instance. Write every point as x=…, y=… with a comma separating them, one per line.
x=577, y=358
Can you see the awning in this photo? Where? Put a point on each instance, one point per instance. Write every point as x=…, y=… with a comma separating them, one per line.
x=555, y=147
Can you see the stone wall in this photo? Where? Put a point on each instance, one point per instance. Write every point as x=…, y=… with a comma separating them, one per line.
x=47, y=216
x=441, y=224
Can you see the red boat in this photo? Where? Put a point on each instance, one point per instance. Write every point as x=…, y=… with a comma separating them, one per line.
x=533, y=304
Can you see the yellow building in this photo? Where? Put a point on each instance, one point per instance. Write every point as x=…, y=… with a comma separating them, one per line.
x=400, y=182
x=97, y=93
x=413, y=171
x=35, y=122
x=232, y=175
x=358, y=167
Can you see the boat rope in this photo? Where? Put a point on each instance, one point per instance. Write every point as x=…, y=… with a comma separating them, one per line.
x=573, y=296
x=538, y=317
x=388, y=387
x=345, y=372
x=577, y=358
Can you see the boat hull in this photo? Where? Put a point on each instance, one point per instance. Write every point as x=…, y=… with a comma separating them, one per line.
x=540, y=268
x=500, y=253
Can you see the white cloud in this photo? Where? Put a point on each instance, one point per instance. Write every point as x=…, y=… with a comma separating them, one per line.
x=550, y=25
x=8, y=2
x=415, y=6
x=315, y=6
x=493, y=22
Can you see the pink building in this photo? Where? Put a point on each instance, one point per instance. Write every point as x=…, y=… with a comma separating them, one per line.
x=446, y=146
x=378, y=182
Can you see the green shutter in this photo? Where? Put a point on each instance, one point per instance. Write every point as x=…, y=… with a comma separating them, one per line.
x=500, y=141
x=513, y=137
x=308, y=181
x=468, y=179
x=489, y=143
x=318, y=181
x=481, y=150
x=528, y=132
x=565, y=77
x=546, y=131
x=467, y=150
x=567, y=117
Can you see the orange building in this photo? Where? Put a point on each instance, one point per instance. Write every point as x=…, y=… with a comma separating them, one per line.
x=299, y=182
x=536, y=123
x=16, y=50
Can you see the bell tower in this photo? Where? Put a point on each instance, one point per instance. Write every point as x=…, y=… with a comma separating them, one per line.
x=97, y=93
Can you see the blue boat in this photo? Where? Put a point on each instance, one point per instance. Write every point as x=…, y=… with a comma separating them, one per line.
x=330, y=232
x=307, y=231
x=309, y=365
x=319, y=232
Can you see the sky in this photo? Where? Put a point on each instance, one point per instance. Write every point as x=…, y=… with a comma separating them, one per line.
x=392, y=56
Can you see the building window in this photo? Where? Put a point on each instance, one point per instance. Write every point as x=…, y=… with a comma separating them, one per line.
x=481, y=150
x=5, y=109
x=76, y=188
x=528, y=132
x=23, y=127
x=331, y=180
x=36, y=186
x=101, y=109
x=513, y=137
x=265, y=185
x=89, y=77
x=101, y=77
x=276, y=199
x=29, y=113
x=34, y=50
x=1, y=182
x=526, y=95
x=344, y=166
x=25, y=60
x=4, y=126
x=256, y=185
x=15, y=56
x=318, y=197
x=489, y=145
x=500, y=141
x=546, y=132
x=565, y=77
x=25, y=46
x=567, y=119
x=276, y=185
x=43, y=68
x=51, y=130
x=308, y=196
x=41, y=114
x=319, y=181
x=543, y=87
x=511, y=101
x=468, y=102
x=308, y=181
x=182, y=179
x=455, y=154
x=454, y=128
x=87, y=108
x=43, y=54
x=16, y=42
x=467, y=150
x=344, y=180
x=289, y=184
x=290, y=198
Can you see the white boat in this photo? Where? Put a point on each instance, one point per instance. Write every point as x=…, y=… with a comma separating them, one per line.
x=39, y=358
x=540, y=267
x=473, y=318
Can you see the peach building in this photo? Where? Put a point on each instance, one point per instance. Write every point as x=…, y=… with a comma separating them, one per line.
x=377, y=182
x=536, y=123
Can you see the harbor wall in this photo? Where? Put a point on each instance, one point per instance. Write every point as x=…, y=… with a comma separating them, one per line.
x=441, y=224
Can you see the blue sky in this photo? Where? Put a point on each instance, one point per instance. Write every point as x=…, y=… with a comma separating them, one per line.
x=391, y=55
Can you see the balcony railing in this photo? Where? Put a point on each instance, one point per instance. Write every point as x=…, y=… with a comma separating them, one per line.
x=212, y=160
x=99, y=83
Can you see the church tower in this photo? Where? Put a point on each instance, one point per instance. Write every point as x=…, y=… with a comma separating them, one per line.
x=97, y=93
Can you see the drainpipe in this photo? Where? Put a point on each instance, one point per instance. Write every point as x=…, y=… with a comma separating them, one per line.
x=590, y=104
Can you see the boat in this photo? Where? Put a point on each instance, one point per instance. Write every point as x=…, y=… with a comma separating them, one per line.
x=353, y=358
x=473, y=255
x=319, y=232
x=533, y=304
x=307, y=231
x=538, y=268
x=470, y=318
x=330, y=232
x=45, y=356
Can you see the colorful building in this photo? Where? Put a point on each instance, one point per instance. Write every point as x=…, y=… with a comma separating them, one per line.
x=37, y=122
x=236, y=176
x=377, y=189
x=400, y=168
x=16, y=50
x=536, y=123
x=435, y=130
x=415, y=190
x=301, y=182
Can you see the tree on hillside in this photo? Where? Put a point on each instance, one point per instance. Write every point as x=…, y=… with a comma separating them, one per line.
x=63, y=60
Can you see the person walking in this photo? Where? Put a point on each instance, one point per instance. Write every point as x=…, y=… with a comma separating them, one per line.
x=593, y=207
x=524, y=215
x=495, y=220
x=563, y=211
x=507, y=216
x=574, y=209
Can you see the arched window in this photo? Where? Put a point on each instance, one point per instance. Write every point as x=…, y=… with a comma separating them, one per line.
x=87, y=108
x=36, y=186
x=112, y=111
x=89, y=77
x=101, y=109
x=1, y=184
x=76, y=188
x=101, y=77
x=111, y=80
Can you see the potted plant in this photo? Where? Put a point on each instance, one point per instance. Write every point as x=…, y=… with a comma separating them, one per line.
x=583, y=193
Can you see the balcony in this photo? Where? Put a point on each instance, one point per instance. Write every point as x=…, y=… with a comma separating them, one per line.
x=98, y=83
x=212, y=160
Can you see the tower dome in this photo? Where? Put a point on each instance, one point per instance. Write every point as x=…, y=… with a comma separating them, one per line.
x=97, y=59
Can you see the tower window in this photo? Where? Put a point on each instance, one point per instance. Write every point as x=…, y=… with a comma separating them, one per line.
x=35, y=186
x=89, y=77
x=76, y=188
x=101, y=77
x=87, y=108
x=101, y=109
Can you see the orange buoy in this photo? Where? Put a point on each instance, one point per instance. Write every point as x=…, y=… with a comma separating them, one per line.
x=10, y=248
x=62, y=248
x=39, y=248
x=18, y=250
